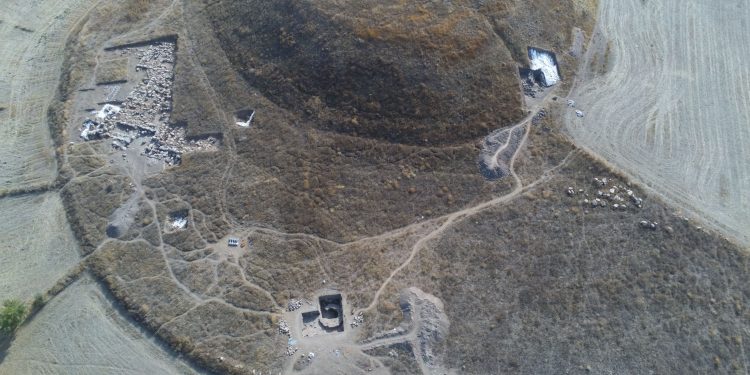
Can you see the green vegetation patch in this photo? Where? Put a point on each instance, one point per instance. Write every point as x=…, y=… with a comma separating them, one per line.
x=12, y=315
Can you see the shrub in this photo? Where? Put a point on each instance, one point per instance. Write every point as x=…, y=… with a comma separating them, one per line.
x=12, y=315
x=38, y=302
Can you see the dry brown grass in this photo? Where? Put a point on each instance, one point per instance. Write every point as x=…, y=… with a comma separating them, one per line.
x=455, y=35
x=111, y=71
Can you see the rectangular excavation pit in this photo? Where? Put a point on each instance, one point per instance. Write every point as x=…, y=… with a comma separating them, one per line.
x=544, y=65
x=331, y=312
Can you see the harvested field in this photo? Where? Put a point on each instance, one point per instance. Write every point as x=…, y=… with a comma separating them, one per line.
x=37, y=246
x=79, y=332
x=673, y=107
x=32, y=40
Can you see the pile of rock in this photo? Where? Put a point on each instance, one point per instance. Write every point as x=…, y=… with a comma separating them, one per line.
x=357, y=320
x=293, y=305
x=283, y=327
x=538, y=116
x=530, y=89
x=532, y=83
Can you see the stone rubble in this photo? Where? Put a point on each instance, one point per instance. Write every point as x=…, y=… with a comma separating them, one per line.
x=539, y=116
x=293, y=305
x=146, y=111
x=357, y=320
x=283, y=327
x=530, y=87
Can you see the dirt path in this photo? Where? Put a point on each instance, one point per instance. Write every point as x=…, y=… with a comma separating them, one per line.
x=674, y=107
x=458, y=216
x=344, y=341
x=450, y=219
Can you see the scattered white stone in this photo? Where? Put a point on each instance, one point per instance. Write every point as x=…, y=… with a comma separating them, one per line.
x=357, y=320
x=283, y=327
x=290, y=350
x=107, y=111
x=88, y=129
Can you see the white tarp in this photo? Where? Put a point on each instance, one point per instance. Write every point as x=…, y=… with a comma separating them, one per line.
x=544, y=61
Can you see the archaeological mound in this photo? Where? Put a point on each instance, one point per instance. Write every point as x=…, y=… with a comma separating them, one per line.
x=429, y=73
